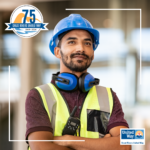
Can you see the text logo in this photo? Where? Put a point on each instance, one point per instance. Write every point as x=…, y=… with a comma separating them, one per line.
x=26, y=21
x=132, y=136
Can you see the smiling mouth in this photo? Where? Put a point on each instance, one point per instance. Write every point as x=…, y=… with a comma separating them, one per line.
x=79, y=57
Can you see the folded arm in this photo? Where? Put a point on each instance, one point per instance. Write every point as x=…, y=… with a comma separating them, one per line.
x=111, y=142
x=44, y=145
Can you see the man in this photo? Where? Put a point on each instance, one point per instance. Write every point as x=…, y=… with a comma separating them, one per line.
x=98, y=108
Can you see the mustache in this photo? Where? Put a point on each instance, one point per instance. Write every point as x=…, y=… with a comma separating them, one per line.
x=74, y=54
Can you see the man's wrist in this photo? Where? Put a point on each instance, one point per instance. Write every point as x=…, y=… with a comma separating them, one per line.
x=74, y=144
x=69, y=137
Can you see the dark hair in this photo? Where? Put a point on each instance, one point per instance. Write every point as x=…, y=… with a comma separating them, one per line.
x=60, y=36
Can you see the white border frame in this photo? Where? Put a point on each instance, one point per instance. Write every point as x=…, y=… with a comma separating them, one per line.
x=140, y=27
x=76, y=140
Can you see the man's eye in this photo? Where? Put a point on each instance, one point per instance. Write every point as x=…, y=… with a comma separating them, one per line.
x=88, y=43
x=71, y=42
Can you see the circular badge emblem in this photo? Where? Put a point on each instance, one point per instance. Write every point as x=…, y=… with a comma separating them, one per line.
x=26, y=21
x=139, y=134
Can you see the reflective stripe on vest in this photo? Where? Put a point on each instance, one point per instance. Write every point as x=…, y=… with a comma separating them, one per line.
x=98, y=98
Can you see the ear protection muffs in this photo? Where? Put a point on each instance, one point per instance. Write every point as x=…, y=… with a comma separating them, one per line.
x=70, y=82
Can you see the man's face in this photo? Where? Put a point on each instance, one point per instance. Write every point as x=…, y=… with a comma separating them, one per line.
x=77, y=50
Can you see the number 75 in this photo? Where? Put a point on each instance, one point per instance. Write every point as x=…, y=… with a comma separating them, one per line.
x=31, y=14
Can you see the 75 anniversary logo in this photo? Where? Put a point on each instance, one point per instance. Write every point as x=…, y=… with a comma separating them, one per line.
x=26, y=21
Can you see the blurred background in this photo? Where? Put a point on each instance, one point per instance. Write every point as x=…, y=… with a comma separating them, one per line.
x=116, y=63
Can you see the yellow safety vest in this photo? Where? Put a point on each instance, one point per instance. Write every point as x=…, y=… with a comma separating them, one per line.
x=98, y=98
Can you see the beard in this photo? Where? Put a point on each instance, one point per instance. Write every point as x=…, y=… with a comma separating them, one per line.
x=80, y=65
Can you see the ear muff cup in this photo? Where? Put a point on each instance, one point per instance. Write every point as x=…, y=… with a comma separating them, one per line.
x=84, y=80
x=73, y=82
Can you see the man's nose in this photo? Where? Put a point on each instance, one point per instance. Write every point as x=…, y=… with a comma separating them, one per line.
x=80, y=47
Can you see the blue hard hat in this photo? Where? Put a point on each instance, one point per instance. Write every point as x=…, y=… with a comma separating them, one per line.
x=73, y=21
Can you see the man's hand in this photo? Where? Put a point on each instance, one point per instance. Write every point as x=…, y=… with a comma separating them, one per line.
x=64, y=137
x=107, y=135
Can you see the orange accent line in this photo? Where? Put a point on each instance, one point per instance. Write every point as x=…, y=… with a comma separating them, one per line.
x=37, y=20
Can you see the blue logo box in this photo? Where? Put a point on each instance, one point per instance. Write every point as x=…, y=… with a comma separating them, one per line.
x=132, y=134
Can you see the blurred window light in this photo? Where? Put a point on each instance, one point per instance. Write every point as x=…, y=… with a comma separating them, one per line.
x=112, y=44
x=14, y=83
x=14, y=78
x=47, y=75
x=130, y=79
x=11, y=46
x=113, y=77
x=135, y=38
x=143, y=93
x=43, y=48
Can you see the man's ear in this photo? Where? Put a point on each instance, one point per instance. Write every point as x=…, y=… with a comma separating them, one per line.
x=57, y=52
